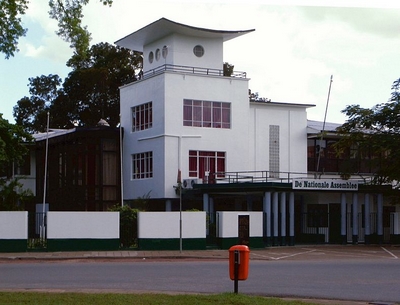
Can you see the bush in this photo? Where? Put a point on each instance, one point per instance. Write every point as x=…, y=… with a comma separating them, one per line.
x=127, y=225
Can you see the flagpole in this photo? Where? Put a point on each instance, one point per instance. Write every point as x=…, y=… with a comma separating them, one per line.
x=43, y=235
x=121, y=164
x=180, y=194
x=323, y=126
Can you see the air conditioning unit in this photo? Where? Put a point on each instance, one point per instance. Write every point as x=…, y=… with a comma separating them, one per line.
x=188, y=183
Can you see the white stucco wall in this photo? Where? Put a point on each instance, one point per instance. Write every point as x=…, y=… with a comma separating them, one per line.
x=227, y=225
x=292, y=122
x=166, y=225
x=95, y=225
x=13, y=225
x=180, y=52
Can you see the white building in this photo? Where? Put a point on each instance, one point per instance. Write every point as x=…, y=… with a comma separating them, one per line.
x=186, y=115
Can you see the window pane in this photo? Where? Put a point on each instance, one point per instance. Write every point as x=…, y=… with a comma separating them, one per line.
x=142, y=117
x=142, y=165
x=207, y=114
x=202, y=161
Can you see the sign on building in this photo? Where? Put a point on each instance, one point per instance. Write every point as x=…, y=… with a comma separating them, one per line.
x=324, y=185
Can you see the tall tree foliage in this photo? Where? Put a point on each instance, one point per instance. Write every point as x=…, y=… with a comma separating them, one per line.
x=89, y=93
x=68, y=13
x=374, y=134
x=11, y=28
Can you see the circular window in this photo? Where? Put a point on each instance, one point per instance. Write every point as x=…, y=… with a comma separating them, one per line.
x=198, y=51
x=158, y=54
x=164, y=51
x=151, y=57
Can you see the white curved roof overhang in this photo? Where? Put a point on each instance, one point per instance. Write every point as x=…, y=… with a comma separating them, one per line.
x=164, y=27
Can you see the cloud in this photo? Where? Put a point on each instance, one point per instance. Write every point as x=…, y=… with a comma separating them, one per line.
x=383, y=22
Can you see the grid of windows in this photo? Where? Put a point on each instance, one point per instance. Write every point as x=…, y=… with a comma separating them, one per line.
x=142, y=165
x=142, y=117
x=206, y=114
x=211, y=162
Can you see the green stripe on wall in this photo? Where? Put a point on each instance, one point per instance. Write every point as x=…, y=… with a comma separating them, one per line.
x=254, y=242
x=171, y=244
x=13, y=245
x=82, y=244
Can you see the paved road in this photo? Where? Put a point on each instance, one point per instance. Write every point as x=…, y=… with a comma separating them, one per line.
x=368, y=280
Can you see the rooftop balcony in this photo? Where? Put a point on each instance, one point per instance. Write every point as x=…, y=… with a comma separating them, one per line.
x=188, y=70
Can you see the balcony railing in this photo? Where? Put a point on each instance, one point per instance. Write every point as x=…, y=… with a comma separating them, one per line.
x=187, y=70
x=272, y=176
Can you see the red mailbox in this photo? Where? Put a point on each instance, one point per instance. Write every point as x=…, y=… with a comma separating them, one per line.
x=243, y=255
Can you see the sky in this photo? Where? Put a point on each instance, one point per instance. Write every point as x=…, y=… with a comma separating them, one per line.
x=296, y=47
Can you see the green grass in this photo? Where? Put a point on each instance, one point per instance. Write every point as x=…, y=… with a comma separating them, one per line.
x=136, y=299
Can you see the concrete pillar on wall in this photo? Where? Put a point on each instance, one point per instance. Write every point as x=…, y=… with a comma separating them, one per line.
x=283, y=219
x=275, y=213
x=343, y=218
x=379, y=222
x=267, y=217
x=291, y=219
x=355, y=218
x=168, y=205
x=367, y=219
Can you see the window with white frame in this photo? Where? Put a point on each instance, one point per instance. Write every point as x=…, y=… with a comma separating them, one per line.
x=142, y=165
x=142, y=117
x=210, y=114
x=202, y=163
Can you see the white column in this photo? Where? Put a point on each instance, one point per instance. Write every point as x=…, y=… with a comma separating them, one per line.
x=355, y=218
x=267, y=213
x=367, y=218
x=206, y=207
x=212, y=216
x=276, y=214
x=343, y=218
x=291, y=219
x=283, y=219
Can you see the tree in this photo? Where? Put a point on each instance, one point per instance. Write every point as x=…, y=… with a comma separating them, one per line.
x=89, y=93
x=93, y=86
x=68, y=13
x=12, y=151
x=10, y=25
x=12, y=138
x=31, y=113
x=374, y=135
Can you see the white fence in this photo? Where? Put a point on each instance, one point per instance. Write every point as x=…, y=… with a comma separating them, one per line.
x=13, y=231
x=161, y=230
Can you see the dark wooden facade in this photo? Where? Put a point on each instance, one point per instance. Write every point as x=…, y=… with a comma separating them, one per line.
x=84, y=172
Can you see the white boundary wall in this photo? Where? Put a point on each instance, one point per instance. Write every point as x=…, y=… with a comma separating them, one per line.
x=153, y=225
x=228, y=224
x=80, y=225
x=13, y=225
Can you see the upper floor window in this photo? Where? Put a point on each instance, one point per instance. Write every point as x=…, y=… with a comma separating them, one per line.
x=206, y=114
x=142, y=117
x=142, y=165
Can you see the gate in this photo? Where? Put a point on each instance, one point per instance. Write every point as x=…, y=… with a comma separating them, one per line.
x=37, y=231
